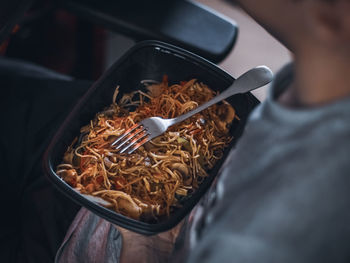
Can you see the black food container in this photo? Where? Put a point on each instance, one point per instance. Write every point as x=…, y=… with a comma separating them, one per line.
x=146, y=60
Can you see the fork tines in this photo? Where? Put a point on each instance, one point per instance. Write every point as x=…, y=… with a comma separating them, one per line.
x=132, y=139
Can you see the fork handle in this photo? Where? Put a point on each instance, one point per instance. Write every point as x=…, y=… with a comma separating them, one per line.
x=250, y=80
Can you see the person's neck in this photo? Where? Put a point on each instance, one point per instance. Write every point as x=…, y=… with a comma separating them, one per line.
x=318, y=80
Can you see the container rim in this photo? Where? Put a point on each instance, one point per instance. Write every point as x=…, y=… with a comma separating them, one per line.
x=142, y=227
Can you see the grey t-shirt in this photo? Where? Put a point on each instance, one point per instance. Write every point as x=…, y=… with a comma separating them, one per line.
x=284, y=191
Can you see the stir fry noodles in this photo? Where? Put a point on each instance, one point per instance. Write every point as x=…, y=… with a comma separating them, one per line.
x=154, y=180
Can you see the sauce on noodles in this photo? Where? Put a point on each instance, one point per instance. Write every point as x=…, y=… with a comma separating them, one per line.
x=156, y=178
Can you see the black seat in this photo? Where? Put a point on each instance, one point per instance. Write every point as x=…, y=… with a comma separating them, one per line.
x=183, y=23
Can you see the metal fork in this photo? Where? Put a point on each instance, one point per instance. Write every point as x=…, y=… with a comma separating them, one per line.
x=150, y=128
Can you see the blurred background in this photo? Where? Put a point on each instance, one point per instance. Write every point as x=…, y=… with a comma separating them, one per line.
x=83, y=38
x=254, y=45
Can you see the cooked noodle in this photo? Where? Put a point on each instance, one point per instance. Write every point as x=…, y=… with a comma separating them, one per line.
x=152, y=181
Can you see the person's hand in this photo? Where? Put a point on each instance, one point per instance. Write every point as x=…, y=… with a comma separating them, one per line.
x=146, y=249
